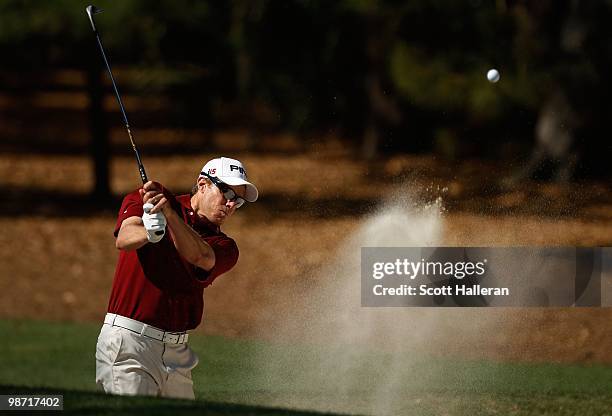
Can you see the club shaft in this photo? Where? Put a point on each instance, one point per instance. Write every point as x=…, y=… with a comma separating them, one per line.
x=141, y=169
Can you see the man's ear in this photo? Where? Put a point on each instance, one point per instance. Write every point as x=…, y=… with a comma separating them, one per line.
x=202, y=182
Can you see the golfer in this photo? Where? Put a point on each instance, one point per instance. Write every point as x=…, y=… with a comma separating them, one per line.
x=171, y=248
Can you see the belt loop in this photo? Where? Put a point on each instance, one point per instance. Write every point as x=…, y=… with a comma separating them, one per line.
x=144, y=328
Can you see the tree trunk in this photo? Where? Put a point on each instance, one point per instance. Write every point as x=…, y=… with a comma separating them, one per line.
x=99, y=147
x=381, y=108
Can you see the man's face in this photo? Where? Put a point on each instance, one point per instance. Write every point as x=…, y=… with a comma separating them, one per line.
x=214, y=205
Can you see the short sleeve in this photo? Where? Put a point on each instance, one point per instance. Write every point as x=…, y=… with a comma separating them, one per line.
x=130, y=207
x=226, y=257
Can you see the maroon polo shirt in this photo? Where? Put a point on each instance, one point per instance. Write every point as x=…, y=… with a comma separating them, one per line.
x=157, y=286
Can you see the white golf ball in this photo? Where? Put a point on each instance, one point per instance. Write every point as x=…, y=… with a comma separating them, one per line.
x=493, y=75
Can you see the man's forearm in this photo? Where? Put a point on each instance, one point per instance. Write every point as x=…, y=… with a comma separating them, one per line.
x=189, y=244
x=132, y=235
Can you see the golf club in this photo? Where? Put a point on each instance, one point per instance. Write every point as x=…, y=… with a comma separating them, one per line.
x=91, y=11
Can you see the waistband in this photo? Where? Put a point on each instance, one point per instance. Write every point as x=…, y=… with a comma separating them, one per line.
x=143, y=329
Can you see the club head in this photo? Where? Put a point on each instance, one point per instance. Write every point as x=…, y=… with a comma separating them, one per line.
x=91, y=10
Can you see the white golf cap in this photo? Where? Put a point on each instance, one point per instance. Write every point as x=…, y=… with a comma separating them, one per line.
x=231, y=172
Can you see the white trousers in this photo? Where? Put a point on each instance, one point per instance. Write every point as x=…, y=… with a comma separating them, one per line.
x=131, y=364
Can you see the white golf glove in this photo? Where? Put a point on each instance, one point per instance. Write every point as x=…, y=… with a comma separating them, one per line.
x=155, y=224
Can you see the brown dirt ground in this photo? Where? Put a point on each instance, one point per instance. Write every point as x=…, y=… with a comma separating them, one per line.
x=58, y=263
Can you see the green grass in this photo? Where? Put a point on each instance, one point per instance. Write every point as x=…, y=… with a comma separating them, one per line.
x=242, y=377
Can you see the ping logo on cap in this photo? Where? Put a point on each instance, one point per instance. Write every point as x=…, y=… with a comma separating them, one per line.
x=238, y=168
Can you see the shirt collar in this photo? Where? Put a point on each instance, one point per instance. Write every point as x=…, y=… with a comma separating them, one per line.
x=185, y=201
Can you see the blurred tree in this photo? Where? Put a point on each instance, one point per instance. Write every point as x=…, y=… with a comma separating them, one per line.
x=566, y=44
x=52, y=35
x=47, y=35
x=438, y=64
x=381, y=23
x=245, y=18
x=390, y=76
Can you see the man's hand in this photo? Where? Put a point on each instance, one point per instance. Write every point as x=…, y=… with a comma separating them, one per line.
x=151, y=193
x=187, y=242
x=155, y=223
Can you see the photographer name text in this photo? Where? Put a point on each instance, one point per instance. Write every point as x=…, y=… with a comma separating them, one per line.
x=437, y=273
